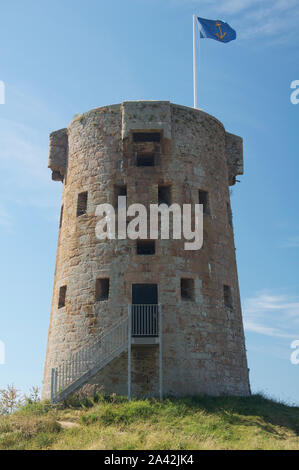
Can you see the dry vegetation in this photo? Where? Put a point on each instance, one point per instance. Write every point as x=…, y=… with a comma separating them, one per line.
x=110, y=422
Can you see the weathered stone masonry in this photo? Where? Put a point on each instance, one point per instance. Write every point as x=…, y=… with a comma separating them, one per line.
x=203, y=339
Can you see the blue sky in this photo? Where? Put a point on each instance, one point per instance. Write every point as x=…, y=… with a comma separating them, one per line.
x=64, y=57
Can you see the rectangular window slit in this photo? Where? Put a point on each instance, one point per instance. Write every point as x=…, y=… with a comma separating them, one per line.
x=203, y=198
x=119, y=190
x=227, y=295
x=145, y=160
x=164, y=194
x=146, y=137
x=187, y=289
x=82, y=203
x=146, y=247
x=102, y=289
x=62, y=296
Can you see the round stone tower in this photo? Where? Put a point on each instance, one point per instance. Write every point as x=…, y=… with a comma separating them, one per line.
x=151, y=152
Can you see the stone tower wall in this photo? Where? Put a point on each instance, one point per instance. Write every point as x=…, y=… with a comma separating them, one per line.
x=203, y=340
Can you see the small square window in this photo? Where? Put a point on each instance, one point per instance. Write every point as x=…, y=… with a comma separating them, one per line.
x=146, y=137
x=187, y=289
x=203, y=198
x=102, y=289
x=146, y=247
x=164, y=194
x=227, y=295
x=119, y=190
x=145, y=160
x=62, y=296
x=146, y=145
x=82, y=203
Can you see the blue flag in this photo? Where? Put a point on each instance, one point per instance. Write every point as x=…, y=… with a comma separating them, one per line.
x=217, y=30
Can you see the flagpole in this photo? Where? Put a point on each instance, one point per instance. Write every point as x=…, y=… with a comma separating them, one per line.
x=194, y=66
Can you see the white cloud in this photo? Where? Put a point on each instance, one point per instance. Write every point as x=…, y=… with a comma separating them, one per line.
x=20, y=149
x=272, y=19
x=234, y=6
x=23, y=161
x=275, y=19
x=26, y=180
x=5, y=219
x=272, y=314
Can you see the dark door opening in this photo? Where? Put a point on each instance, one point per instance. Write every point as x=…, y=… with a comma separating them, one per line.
x=145, y=310
x=144, y=294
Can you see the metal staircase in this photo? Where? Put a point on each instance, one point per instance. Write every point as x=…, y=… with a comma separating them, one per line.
x=142, y=326
x=71, y=374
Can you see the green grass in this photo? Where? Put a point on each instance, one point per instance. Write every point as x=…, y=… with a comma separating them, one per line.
x=189, y=423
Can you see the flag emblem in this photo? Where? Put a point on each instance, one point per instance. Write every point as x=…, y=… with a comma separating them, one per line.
x=217, y=30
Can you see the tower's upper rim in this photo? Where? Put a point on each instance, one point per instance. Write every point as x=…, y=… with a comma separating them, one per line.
x=157, y=102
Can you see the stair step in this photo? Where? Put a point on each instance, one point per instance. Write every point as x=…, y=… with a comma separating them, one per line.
x=87, y=362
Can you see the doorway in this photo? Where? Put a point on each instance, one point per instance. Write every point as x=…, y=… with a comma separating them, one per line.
x=145, y=294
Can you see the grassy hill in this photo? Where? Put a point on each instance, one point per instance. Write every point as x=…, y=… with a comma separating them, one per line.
x=188, y=423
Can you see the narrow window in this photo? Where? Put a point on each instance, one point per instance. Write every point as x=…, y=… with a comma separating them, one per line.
x=61, y=217
x=62, y=295
x=187, y=289
x=227, y=295
x=229, y=214
x=203, y=198
x=102, y=289
x=82, y=203
x=119, y=190
x=146, y=137
x=164, y=195
x=145, y=160
x=146, y=247
x=146, y=145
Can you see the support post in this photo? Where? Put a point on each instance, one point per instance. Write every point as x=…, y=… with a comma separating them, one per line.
x=52, y=385
x=55, y=383
x=160, y=354
x=194, y=65
x=129, y=350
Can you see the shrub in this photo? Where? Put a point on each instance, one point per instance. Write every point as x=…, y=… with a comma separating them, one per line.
x=29, y=426
x=39, y=408
x=89, y=418
x=5, y=426
x=12, y=440
x=10, y=399
x=43, y=440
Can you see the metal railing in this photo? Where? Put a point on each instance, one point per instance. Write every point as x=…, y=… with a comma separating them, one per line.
x=145, y=319
x=100, y=352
